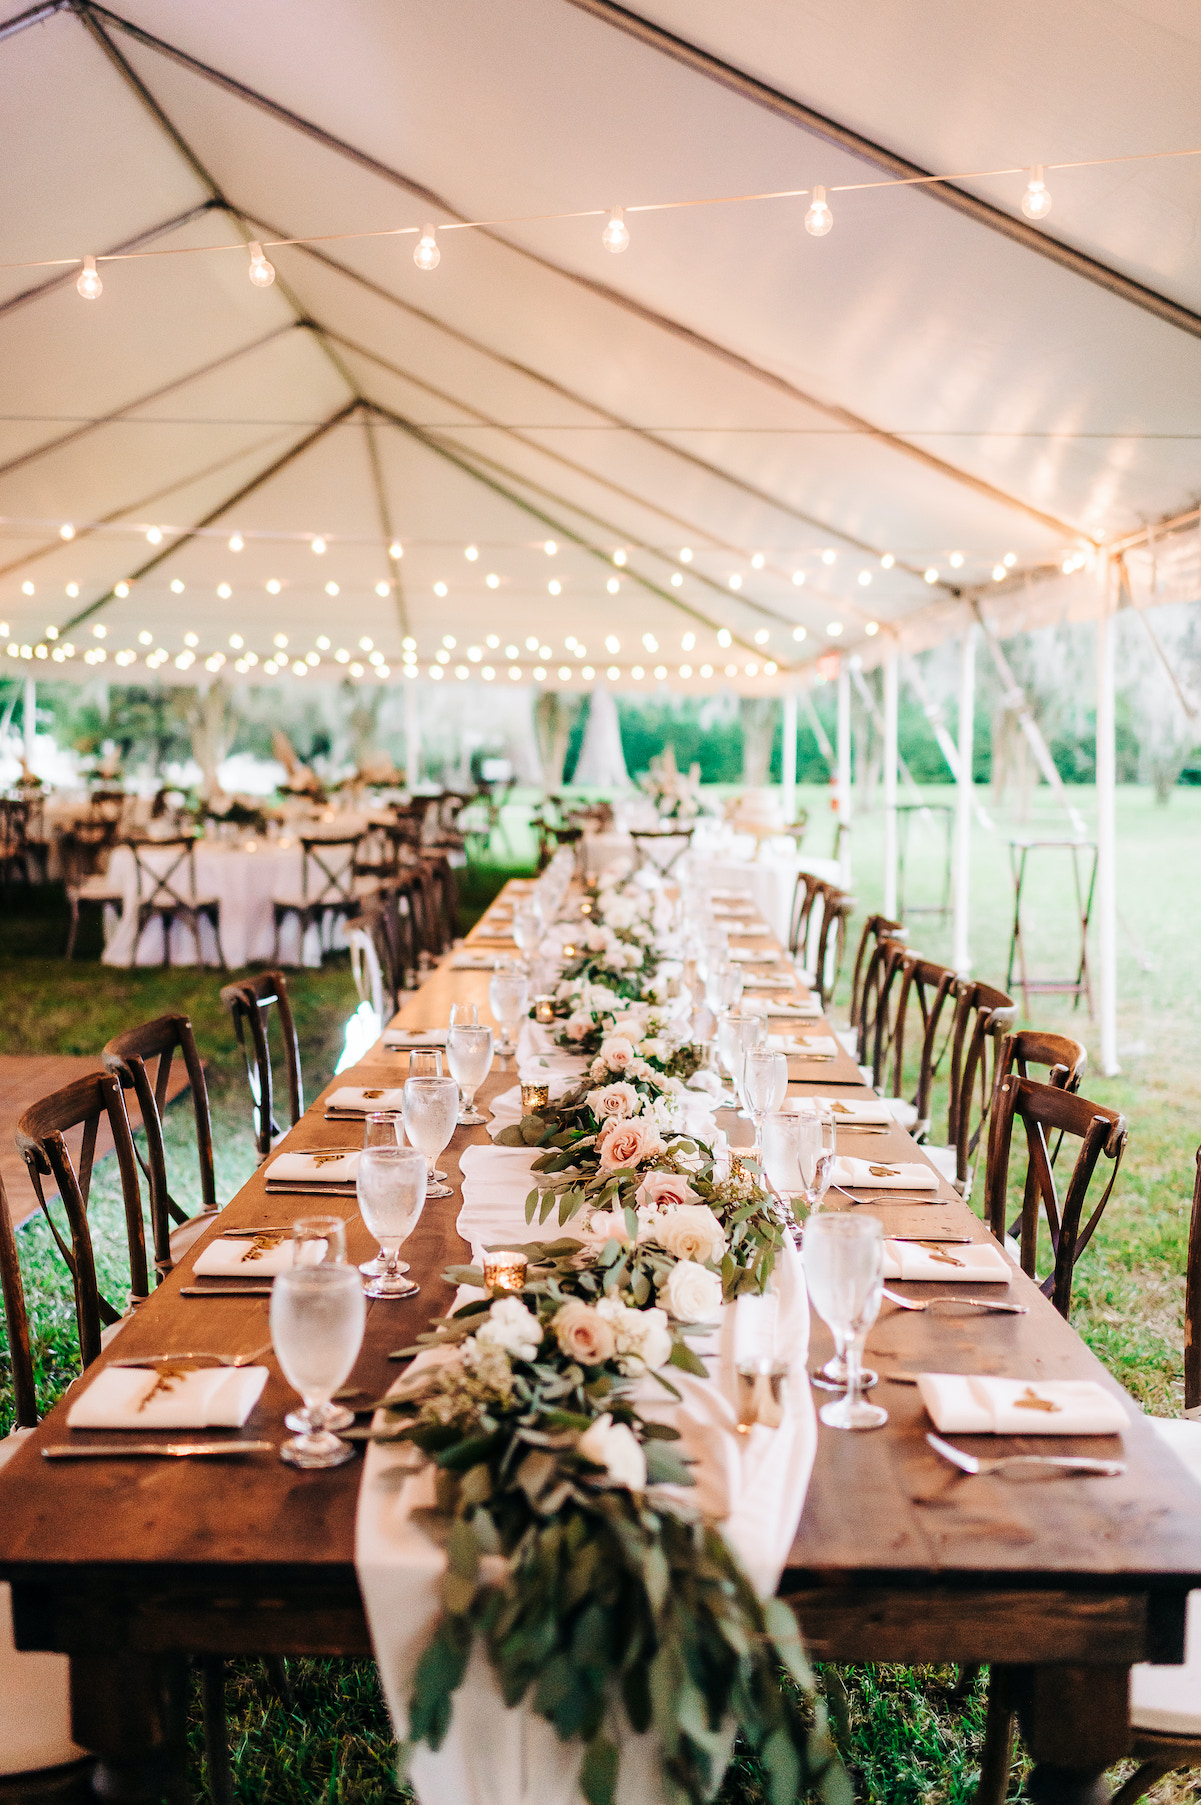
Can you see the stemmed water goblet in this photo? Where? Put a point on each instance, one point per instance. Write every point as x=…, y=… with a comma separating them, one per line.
x=723, y=985
x=431, y=1109
x=843, y=1257
x=382, y=1128
x=391, y=1186
x=318, y=1313
x=469, y=1056
x=764, y=1088
x=508, y=998
x=816, y=1148
x=316, y=1241
x=736, y=1034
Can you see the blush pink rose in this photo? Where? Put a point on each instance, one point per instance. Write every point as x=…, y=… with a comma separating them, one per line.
x=617, y=1053
x=582, y=1334
x=578, y=1026
x=629, y=1144
x=665, y=1187
x=615, y=1100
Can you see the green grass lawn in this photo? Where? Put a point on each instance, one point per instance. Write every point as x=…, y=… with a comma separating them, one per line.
x=904, y=1732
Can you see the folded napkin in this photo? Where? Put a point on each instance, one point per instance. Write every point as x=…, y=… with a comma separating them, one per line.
x=403, y=1039
x=728, y=896
x=784, y=1043
x=963, y=1263
x=749, y=955
x=850, y=1112
x=134, y=1397
x=808, y=1011
x=363, y=1100
x=818, y=1046
x=964, y=1405
x=313, y=1168
x=883, y=1175
x=765, y=981
x=468, y=961
x=232, y=1257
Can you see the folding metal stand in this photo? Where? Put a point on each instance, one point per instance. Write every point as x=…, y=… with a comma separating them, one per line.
x=905, y=810
x=1080, y=985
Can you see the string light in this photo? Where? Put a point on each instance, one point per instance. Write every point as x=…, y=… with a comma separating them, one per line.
x=650, y=642
x=1009, y=560
x=758, y=561
x=331, y=589
x=262, y=273
x=154, y=535
x=931, y=575
x=176, y=587
x=887, y=561
x=612, y=585
x=492, y=580
x=427, y=256
x=834, y=629
x=472, y=553
x=441, y=589
x=616, y=235
x=998, y=573
x=865, y=577
x=798, y=633
x=121, y=589
x=66, y=530
x=1036, y=202
x=676, y=579
x=612, y=644
x=550, y=548
x=396, y=550
x=724, y=637
x=762, y=637
x=798, y=577
x=236, y=543
x=829, y=555
x=318, y=546
x=735, y=581
x=273, y=586
x=89, y=284
x=381, y=589
x=555, y=587
x=956, y=560
x=619, y=558
x=819, y=218
x=685, y=555
x=688, y=641
x=872, y=628
x=224, y=591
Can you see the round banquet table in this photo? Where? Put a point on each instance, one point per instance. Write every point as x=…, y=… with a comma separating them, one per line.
x=245, y=876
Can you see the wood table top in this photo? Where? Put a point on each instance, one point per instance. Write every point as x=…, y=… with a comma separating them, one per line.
x=881, y=1507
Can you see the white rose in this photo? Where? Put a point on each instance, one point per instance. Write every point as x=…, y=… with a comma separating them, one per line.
x=705, y=1081
x=690, y=1231
x=629, y=1025
x=598, y=1069
x=692, y=1293
x=616, y=1448
x=615, y=1100
x=578, y=1026
x=641, y=1335
x=511, y=1326
x=638, y=1068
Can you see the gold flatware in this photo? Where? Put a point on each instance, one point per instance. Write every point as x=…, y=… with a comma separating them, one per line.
x=975, y=1303
x=150, y=1450
x=232, y=1360
x=225, y=1291
x=1066, y=1463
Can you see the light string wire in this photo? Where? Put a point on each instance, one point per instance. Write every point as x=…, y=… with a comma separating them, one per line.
x=519, y=219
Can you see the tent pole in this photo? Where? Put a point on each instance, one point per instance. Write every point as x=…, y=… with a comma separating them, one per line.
x=30, y=719
x=412, y=736
x=964, y=799
x=788, y=757
x=1106, y=826
x=890, y=784
x=844, y=771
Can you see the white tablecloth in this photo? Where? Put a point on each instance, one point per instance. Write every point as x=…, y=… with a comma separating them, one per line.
x=769, y=880
x=245, y=883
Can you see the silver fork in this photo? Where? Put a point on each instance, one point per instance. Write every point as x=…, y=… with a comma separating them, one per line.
x=1007, y=1463
x=976, y=1303
x=194, y=1354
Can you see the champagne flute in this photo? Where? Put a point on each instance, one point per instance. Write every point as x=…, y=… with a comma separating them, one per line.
x=316, y=1241
x=508, y=997
x=469, y=1056
x=431, y=1109
x=318, y=1314
x=382, y=1128
x=391, y=1184
x=843, y=1257
x=764, y=1088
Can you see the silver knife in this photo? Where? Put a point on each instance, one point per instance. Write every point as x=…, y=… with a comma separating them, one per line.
x=150, y=1450
x=225, y=1291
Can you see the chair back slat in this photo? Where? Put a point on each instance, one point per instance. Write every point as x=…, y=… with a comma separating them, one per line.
x=983, y=1016
x=126, y=1056
x=875, y=929
x=250, y=1002
x=922, y=991
x=328, y=870
x=16, y=1315
x=159, y=886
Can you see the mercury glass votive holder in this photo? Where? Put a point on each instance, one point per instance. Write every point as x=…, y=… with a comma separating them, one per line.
x=534, y=1097
x=544, y=1009
x=504, y=1270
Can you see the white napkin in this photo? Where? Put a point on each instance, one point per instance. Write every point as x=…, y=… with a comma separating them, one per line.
x=818, y=1046
x=229, y=1257
x=847, y=1111
x=313, y=1168
x=750, y=955
x=766, y=980
x=785, y=1043
x=958, y=1263
x=468, y=961
x=401, y=1040
x=210, y=1397
x=364, y=1099
x=810, y=1010
x=750, y=927
x=965, y=1405
x=883, y=1175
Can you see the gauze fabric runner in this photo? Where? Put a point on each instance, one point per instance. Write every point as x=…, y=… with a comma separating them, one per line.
x=754, y=1484
x=539, y=1058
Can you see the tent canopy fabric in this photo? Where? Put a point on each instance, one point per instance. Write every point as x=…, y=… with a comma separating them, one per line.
x=919, y=383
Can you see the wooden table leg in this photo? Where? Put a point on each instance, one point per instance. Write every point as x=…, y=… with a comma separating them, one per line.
x=1076, y=1723
x=131, y=1712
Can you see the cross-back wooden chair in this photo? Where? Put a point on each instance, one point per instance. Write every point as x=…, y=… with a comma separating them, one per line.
x=804, y=899
x=328, y=887
x=877, y=1017
x=983, y=1017
x=250, y=1002
x=1044, y=1109
x=837, y=909
x=922, y=989
x=41, y=1141
x=166, y=879
x=128, y=1057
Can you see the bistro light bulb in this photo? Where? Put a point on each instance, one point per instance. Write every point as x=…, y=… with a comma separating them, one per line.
x=154, y=535
x=1036, y=202
x=427, y=256
x=89, y=284
x=381, y=589
x=236, y=543
x=616, y=235
x=262, y=273
x=819, y=218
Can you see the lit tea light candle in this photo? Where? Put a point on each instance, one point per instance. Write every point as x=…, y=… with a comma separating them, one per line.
x=569, y=952
x=544, y=1009
x=534, y=1097
x=585, y=907
x=504, y=1270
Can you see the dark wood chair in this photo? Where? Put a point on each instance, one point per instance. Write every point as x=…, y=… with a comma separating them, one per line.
x=837, y=909
x=328, y=887
x=1043, y=1109
x=128, y=1056
x=83, y=854
x=250, y=1002
x=875, y=929
x=805, y=895
x=983, y=1018
x=877, y=1016
x=922, y=990
x=167, y=893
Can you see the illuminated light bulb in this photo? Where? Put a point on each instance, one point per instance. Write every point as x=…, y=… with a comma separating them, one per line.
x=752, y=669
x=638, y=673
x=300, y=668
x=723, y=637
x=236, y=641
x=381, y=589
x=368, y=645
x=676, y=579
x=550, y=548
x=408, y=642
x=931, y=575
x=612, y=644
x=758, y=561
x=472, y=553
x=224, y=591
x=236, y=543
x=706, y=670
x=441, y=589
x=311, y=659
x=616, y=235
x=66, y=531
x=612, y=673
x=687, y=642
x=685, y=555
x=261, y=273
x=619, y=558
x=828, y=556
x=273, y=586
x=735, y=581
x=475, y=654
x=762, y=637
x=564, y=672
x=834, y=629
x=213, y=662
x=461, y=672
x=1036, y=202
x=281, y=640
x=1009, y=560
x=27, y=589
x=427, y=256
x=342, y=656
x=587, y=673
x=660, y=671
x=555, y=587
x=191, y=639
x=318, y=547
x=872, y=628
x=121, y=589
x=819, y=218
x=356, y=670
x=515, y=673
x=998, y=573
x=250, y=658
x=487, y=673
x=51, y=632
x=798, y=577
x=492, y=580
x=1068, y=566
x=145, y=639
x=331, y=589
x=612, y=585
x=396, y=549
x=176, y=586
x=650, y=642
x=544, y=651
x=956, y=560
x=865, y=577
x=798, y=633
x=887, y=561
x=72, y=590
x=89, y=284
x=153, y=536
x=511, y=652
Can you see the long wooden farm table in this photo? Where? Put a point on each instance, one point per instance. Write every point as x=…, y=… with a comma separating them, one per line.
x=129, y=1568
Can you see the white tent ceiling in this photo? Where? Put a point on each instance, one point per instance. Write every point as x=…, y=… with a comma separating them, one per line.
x=918, y=383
